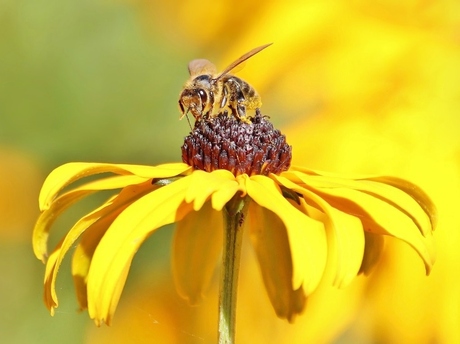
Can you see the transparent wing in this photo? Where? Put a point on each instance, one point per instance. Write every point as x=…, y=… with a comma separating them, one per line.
x=200, y=67
x=243, y=58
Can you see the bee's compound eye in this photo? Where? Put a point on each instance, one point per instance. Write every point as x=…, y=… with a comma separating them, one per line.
x=203, y=96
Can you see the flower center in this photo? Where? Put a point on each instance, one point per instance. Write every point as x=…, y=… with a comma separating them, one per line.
x=225, y=142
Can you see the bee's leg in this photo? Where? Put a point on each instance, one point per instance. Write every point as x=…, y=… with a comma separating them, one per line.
x=224, y=98
x=241, y=109
x=236, y=100
x=211, y=103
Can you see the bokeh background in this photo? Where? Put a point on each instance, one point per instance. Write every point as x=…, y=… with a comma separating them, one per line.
x=357, y=86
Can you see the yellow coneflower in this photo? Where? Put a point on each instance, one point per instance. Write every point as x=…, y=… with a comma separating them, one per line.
x=298, y=219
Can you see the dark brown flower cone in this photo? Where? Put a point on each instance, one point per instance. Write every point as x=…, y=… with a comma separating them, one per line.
x=225, y=142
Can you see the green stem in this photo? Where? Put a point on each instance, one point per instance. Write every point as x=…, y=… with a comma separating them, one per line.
x=234, y=216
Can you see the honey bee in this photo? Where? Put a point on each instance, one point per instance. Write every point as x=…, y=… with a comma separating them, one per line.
x=209, y=93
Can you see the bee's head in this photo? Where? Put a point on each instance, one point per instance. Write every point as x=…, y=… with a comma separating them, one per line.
x=193, y=100
x=197, y=97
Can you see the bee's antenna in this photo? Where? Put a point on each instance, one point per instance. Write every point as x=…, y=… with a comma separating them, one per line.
x=188, y=120
x=189, y=124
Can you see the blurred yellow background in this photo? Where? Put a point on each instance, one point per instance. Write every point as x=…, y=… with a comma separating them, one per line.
x=357, y=86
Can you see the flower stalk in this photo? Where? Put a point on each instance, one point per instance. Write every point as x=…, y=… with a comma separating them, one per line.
x=235, y=213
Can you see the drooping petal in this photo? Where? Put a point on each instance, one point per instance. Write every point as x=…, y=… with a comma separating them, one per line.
x=345, y=234
x=56, y=257
x=379, y=209
x=66, y=174
x=372, y=252
x=196, y=250
x=110, y=208
x=307, y=238
x=113, y=256
x=220, y=184
x=64, y=201
x=382, y=218
x=415, y=192
x=49, y=291
x=83, y=254
x=375, y=186
x=271, y=243
x=46, y=219
x=400, y=200
x=346, y=245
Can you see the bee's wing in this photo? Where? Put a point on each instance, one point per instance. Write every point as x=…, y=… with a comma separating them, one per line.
x=200, y=67
x=242, y=59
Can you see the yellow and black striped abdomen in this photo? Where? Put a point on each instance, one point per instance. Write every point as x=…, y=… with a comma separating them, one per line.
x=240, y=91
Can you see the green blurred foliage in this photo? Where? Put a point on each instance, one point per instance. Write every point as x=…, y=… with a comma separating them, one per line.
x=82, y=80
x=79, y=81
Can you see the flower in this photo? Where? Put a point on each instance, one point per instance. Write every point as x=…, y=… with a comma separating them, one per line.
x=300, y=220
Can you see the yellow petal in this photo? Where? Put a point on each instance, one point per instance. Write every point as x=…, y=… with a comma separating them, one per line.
x=383, y=209
x=69, y=173
x=375, y=186
x=196, y=250
x=307, y=238
x=372, y=252
x=204, y=184
x=415, y=192
x=271, y=243
x=46, y=219
x=110, y=208
x=346, y=245
x=326, y=174
x=83, y=254
x=345, y=235
x=221, y=196
x=381, y=217
x=400, y=200
x=54, y=209
x=49, y=290
x=113, y=256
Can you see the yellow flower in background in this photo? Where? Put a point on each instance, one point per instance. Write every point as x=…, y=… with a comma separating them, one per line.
x=415, y=137
x=299, y=220
x=19, y=182
x=356, y=55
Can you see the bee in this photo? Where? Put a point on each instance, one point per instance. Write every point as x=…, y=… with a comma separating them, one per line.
x=207, y=93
